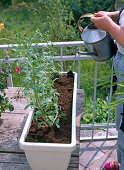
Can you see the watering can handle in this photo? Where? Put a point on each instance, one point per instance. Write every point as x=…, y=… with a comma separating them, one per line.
x=84, y=16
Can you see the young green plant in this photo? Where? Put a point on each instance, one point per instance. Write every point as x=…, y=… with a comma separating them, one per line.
x=38, y=81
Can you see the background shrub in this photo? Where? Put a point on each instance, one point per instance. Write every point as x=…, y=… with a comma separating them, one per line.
x=80, y=7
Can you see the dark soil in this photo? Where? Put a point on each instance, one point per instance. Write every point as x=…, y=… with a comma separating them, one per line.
x=64, y=85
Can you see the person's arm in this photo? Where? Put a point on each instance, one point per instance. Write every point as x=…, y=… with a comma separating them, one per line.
x=117, y=32
x=114, y=15
x=104, y=22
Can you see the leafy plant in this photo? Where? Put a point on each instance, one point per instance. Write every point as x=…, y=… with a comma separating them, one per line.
x=101, y=111
x=57, y=21
x=38, y=83
x=4, y=102
x=5, y=3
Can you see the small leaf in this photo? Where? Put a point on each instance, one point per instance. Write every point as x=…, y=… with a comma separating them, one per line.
x=63, y=114
x=57, y=123
x=39, y=124
x=28, y=105
x=51, y=118
x=11, y=108
x=50, y=124
x=38, y=113
x=58, y=126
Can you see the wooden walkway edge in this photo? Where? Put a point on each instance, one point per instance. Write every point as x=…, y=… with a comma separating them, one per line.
x=11, y=126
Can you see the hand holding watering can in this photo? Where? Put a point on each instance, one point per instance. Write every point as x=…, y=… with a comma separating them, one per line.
x=98, y=40
x=101, y=20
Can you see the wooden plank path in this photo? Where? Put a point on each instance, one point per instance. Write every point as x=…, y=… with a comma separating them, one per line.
x=11, y=126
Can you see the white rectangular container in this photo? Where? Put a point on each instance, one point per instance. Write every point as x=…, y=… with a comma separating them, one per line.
x=50, y=156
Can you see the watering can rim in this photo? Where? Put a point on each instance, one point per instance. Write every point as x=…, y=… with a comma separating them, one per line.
x=82, y=30
x=86, y=28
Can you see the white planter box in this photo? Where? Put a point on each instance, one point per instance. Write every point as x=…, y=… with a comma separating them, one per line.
x=50, y=156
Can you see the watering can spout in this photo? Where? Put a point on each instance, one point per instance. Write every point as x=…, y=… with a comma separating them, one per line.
x=87, y=53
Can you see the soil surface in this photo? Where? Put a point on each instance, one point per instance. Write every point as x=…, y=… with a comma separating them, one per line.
x=64, y=86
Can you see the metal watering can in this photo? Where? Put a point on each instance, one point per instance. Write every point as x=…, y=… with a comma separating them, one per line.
x=100, y=43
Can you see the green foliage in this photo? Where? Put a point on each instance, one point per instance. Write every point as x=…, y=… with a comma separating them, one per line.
x=19, y=1
x=51, y=17
x=4, y=102
x=38, y=85
x=88, y=77
x=3, y=75
x=57, y=21
x=119, y=4
x=101, y=111
x=80, y=7
x=5, y=3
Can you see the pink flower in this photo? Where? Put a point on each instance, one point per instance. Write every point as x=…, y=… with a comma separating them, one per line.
x=17, y=70
x=1, y=71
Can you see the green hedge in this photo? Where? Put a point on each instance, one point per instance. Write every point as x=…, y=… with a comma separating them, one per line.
x=6, y=3
x=80, y=7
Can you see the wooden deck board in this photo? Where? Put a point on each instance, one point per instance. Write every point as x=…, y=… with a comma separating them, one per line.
x=11, y=126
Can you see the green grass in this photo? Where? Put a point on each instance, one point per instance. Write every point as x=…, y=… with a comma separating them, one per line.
x=17, y=18
x=53, y=23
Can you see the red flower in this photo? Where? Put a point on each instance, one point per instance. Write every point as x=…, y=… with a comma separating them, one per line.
x=17, y=70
